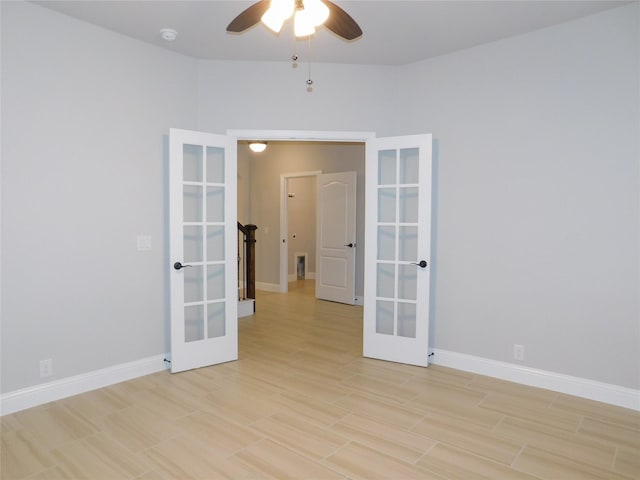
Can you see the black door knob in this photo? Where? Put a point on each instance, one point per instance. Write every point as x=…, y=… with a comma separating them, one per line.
x=350, y=245
x=421, y=264
x=179, y=266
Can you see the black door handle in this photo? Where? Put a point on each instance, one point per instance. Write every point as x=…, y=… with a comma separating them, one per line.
x=422, y=264
x=179, y=266
x=350, y=245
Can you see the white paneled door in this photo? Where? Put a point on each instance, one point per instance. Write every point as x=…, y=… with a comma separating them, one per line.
x=336, y=237
x=203, y=278
x=397, y=249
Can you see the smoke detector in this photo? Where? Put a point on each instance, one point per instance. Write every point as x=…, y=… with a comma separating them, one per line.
x=168, y=34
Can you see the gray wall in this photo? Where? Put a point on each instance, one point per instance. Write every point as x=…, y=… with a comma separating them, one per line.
x=536, y=212
x=272, y=95
x=535, y=201
x=85, y=113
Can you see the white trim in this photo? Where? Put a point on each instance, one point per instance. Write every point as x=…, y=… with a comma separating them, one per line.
x=66, y=387
x=293, y=277
x=301, y=135
x=580, y=387
x=268, y=287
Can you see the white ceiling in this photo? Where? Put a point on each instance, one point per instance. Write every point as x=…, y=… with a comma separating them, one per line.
x=395, y=32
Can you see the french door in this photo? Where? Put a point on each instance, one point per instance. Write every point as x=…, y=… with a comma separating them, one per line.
x=397, y=249
x=203, y=279
x=203, y=204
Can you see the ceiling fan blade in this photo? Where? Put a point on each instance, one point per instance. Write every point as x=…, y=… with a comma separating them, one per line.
x=341, y=23
x=249, y=17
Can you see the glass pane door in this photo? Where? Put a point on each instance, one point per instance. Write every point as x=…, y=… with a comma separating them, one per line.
x=398, y=238
x=203, y=225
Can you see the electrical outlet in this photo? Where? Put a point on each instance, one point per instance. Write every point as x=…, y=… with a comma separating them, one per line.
x=518, y=352
x=46, y=368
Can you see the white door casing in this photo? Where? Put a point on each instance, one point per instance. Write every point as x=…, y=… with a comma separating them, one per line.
x=397, y=250
x=336, y=237
x=203, y=278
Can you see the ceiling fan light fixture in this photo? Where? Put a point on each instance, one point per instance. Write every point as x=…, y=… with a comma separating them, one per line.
x=317, y=10
x=278, y=12
x=273, y=20
x=303, y=24
x=258, y=147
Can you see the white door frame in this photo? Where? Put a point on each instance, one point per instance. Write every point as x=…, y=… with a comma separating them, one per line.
x=284, y=226
x=296, y=136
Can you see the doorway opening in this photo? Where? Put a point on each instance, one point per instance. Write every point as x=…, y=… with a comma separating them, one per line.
x=297, y=225
x=275, y=255
x=397, y=225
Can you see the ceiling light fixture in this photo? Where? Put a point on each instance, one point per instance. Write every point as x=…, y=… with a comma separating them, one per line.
x=258, y=146
x=309, y=14
x=275, y=12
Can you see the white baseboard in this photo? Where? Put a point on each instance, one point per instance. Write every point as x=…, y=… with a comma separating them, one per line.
x=579, y=387
x=268, y=287
x=66, y=387
x=292, y=277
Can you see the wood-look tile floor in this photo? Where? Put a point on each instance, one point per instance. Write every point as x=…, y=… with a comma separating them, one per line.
x=302, y=403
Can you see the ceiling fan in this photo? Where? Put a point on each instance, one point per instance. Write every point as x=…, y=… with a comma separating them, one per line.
x=308, y=14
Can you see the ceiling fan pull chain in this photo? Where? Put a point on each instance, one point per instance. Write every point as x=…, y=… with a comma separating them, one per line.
x=309, y=81
x=294, y=57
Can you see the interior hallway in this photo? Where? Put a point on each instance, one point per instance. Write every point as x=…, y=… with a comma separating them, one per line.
x=301, y=402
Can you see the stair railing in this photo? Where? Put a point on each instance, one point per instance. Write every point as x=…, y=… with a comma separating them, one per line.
x=246, y=261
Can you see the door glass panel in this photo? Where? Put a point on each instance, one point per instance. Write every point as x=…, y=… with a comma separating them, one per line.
x=192, y=244
x=215, y=320
x=215, y=165
x=386, y=243
x=407, y=282
x=386, y=280
x=193, y=284
x=192, y=163
x=387, y=167
x=409, y=165
x=384, y=317
x=408, y=244
x=407, y=320
x=215, y=243
x=215, y=204
x=193, y=323
x=192, y=203
x=386, y=205
x=409, y=205
x=215, y=282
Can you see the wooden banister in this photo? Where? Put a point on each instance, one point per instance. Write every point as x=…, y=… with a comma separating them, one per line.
x=248, y=258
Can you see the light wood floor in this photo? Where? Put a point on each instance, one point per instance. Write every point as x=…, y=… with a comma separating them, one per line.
x=302, y=403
